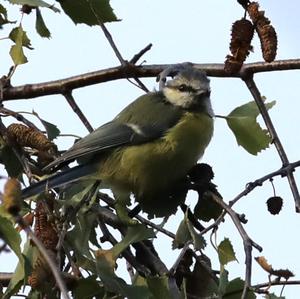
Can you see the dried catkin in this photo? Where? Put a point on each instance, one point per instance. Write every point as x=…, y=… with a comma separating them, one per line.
x=25, y=136
x=240, y=45
x=266, y=32
x=12, y=196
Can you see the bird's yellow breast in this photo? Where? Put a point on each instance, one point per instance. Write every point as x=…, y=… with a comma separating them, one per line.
x=154, y=166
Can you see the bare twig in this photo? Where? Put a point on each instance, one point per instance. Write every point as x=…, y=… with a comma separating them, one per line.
x=55, y=271
x=19, y=117
x=104, y=212
x=179, y=258
x=123, y=62
x=248, y=243
x=115, y=48
x=275, y=282
x=111, y=41
x=155, y=226
x=259, y=182
x=275, y=139
x=137, y=56
x=156, y=264
x=30, y=91
x=69, y=97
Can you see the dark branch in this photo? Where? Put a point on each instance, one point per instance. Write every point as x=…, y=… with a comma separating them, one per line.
x=19, y=117
x=130, y=71
x=137, y=56
x=248, y=243
x=275, y=139
x=69, y=97
x=275, y=283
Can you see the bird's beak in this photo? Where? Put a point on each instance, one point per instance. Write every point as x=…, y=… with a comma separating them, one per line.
x=203, y=92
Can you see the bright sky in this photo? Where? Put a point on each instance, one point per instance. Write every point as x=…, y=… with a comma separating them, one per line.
x=197, y=31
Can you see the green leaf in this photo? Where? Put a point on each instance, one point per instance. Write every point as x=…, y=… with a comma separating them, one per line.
x=22, y=270
x=14, y=35
x=186, y=233
x=198, y=240
x=200, y=284
x=3, y=16
x=134, y=234
x=247, y=131
x=34, y=294
x=9, y=234
x=226, y=252
x=88, y=288
x=35, y=3
x=79, y=236
x=89, y=12
x=223, y=282
x=51, y=129
x=182, y=235
x=113, y=283
x=3, y=11
x=40, y=25
x=159, y=287
x=11, y=162
x=206, y=208
x=16, y=51
x=235, y=288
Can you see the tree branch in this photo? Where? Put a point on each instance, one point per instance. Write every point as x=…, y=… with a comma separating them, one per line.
x=137, y=56
x=248, y=243
x=275, y=282
x=70, y=99
x=29, y=91
x=275, y=139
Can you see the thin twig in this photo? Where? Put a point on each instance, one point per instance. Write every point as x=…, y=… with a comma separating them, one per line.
x=111, y=202
x=18, y=117
x=74, y=267
x=110, y=40
x=275, y=282
x=248, y=243
x=275, y=139
x=148, y=256
x=126, y=253
x=249, y=187
x=179, y=258
x=137, y=56
x=115, y=48
x=155, y=226
x=70, y=99
x=56, y=273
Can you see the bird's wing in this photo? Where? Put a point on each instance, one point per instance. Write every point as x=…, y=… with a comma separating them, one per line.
x=126, y=129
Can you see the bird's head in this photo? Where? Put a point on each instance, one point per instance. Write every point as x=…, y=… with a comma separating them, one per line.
x=189, y=89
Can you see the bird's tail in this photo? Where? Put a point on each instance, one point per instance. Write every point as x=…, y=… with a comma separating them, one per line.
x=58, y=180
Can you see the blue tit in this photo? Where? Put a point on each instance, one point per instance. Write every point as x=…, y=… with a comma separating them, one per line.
x=147, y=148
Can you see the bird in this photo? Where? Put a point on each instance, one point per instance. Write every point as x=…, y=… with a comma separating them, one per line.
x=148, y=148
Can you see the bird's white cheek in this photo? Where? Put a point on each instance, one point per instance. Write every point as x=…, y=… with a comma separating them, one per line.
x=182, y=99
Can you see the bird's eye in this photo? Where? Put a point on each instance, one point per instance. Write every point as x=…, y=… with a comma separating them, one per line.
x=183, y=87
